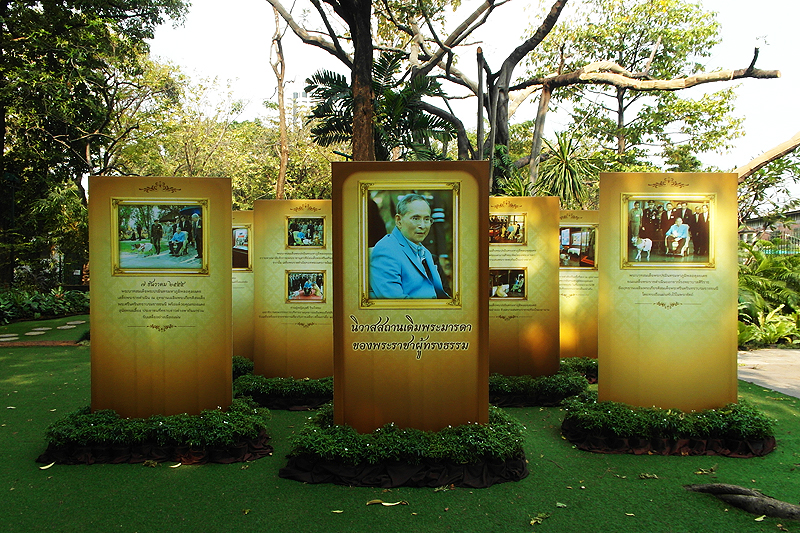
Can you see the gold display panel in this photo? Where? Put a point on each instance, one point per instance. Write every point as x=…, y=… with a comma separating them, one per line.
x=293, y=309
x=523, y=286
x=410, y=305
x=667, y=321
x=578, y=283
x=243, y=283
x=161, y=294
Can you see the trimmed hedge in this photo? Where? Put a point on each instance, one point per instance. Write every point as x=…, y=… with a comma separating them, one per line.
x=502, y=438
x=740, y=421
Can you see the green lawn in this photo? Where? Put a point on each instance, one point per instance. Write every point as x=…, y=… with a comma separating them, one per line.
x=581, y=492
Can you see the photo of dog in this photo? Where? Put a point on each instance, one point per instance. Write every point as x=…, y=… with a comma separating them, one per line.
x=144, y=248
x=642, y=245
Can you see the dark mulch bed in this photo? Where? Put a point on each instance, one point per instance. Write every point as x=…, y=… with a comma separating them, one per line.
x=245, y=450
x=428, y=473
x=591, y=440
x=291, y=403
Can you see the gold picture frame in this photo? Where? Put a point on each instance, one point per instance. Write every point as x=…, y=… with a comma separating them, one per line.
x=306, y=286
x=138, y=253
x=509, y=283
x=300, y=237
x=240, y=248
x=577, y=246
x=508, y=229
x=671, y=245
x=376, y=220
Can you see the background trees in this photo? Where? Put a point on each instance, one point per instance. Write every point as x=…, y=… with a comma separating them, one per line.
x=54, y=101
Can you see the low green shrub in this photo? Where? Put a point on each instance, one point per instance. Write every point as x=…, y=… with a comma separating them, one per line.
x=22, y=304
x=241, y=366
x=582, y=365
x=255, y=385
x=213, y=427
x=734, y=421
x=502, y=438
x=541, y=390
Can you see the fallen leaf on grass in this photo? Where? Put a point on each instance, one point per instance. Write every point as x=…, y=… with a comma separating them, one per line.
x=760, y=518
x=706, y=471
x=629, y=514
x=337, y=511
x=386, y=504
x=246, y=511
x=175, y=466
x=539, y=518
x=562, y=505
x=647, y=476
x=45, y=467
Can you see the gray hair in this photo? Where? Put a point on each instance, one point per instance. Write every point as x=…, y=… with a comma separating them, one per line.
x=402, y=205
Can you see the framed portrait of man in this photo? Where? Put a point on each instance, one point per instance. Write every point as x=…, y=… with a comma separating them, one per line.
x=159, y=236
x=667, y=230
x=409, y=244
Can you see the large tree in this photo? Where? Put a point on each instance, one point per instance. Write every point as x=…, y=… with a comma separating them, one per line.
x=54, y=65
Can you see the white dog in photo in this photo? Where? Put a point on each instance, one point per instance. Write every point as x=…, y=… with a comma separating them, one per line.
x=642, y=245
x=144, y=248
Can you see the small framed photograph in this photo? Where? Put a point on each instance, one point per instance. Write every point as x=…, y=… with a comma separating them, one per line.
x=305, y=286
x=159, y=236
x=667, y=230
x=508, y=283
x=507, y=229
x=241, y=247
x=409, y=244
x=577, y=246
x=305, y=232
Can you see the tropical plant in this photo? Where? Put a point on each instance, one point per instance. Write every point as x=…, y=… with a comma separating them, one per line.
x=403, y=129
x=570, y=172
x=767, y=280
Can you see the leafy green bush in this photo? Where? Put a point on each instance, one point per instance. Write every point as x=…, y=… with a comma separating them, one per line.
x=213, y=427
x=735, y=421
x=254, y=385
x=21, y=304
x=241, y=366
x=582, y=365
x=551, y=389
x=502, y=438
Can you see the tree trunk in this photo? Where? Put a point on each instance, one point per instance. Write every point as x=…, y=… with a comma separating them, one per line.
x=361, y=83
x=750, y=500
x=279, y=67
x=7, y=223
x=538, y=132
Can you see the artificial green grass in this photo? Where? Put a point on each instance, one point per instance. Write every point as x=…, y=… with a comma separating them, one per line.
x=251, y=497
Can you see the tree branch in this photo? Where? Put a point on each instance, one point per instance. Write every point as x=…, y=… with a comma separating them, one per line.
x=767, y=157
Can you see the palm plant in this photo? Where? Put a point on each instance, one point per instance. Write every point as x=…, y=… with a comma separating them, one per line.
x=567, y=172
x=403, y=129
x=767, y=281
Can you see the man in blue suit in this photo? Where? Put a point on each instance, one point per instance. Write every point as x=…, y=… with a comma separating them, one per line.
x=400, y=266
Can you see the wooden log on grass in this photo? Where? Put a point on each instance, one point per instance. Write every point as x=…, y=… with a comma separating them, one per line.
x=749, y=500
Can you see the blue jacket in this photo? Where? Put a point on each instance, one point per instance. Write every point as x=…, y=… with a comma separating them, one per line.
x=395, y=271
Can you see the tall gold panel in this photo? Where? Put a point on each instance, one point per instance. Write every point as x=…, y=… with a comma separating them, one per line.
x=523, y=286
x=242, y=237
x=293, y=282
x=668, y=289
x=578, y=282
x=410, y=347
x=161, y=294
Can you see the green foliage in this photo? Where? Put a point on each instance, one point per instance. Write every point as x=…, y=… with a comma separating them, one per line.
x=680, y=36
x=735, y=421
x=403, y=129
x=769, y=193
x=502, y=438
x=213, y=427
x=256, y=386
x=241, y=366
x=21, y=304
x=571, y=172
x=585, y=366
x=542, y=389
